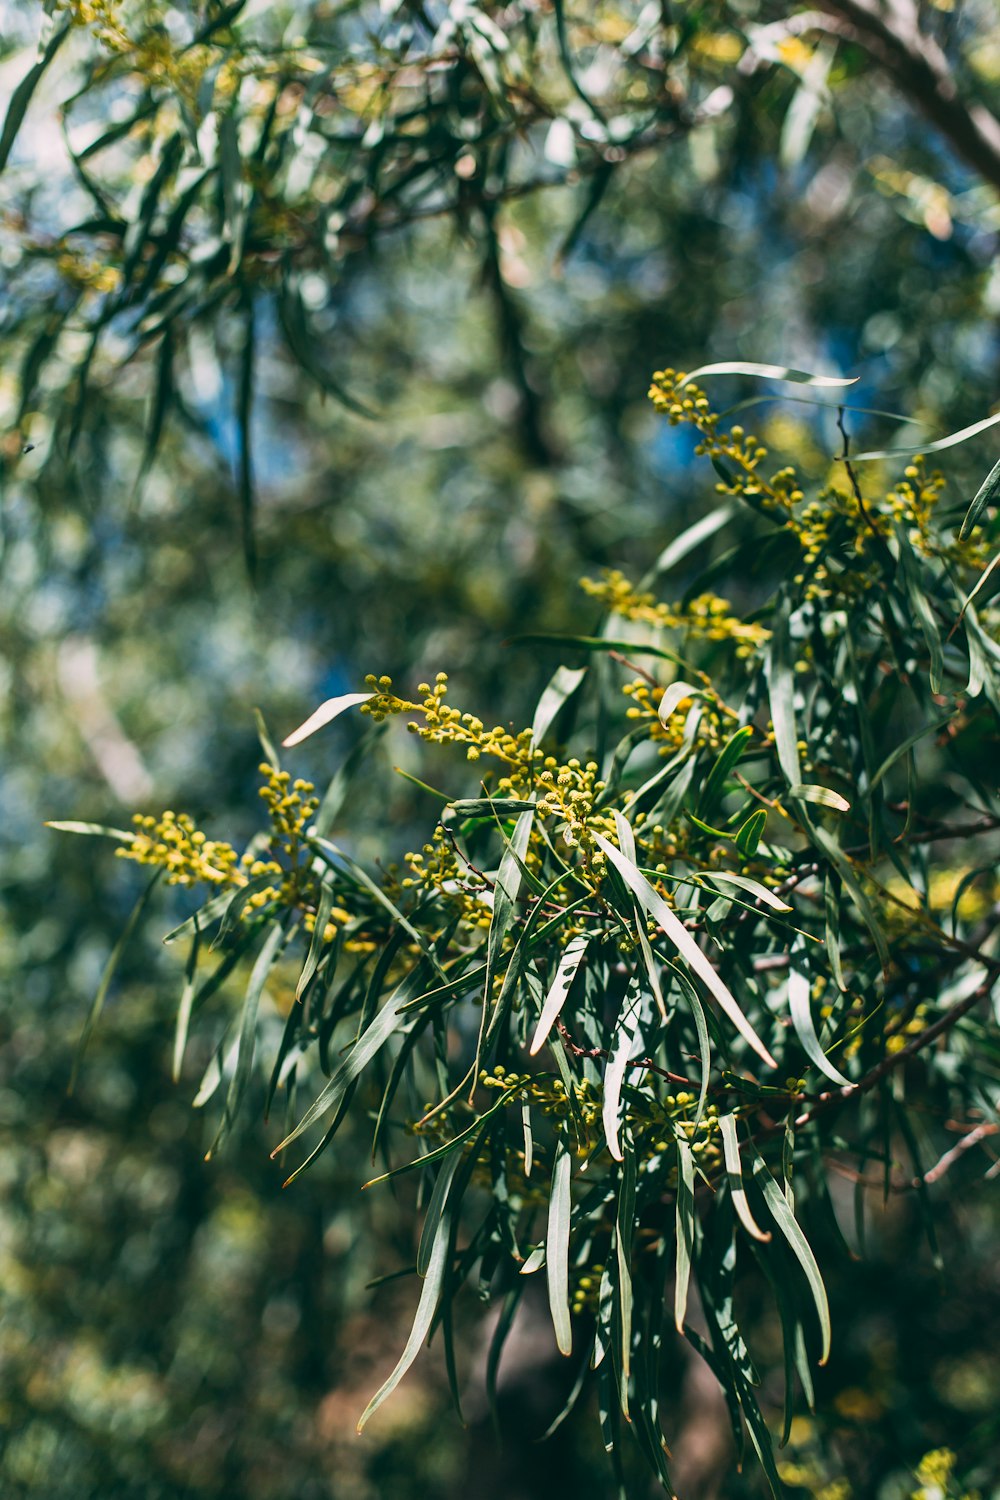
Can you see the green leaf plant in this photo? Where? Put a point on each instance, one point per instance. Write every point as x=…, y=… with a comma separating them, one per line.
x=641, y=988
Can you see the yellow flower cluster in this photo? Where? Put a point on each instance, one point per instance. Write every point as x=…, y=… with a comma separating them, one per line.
x=83, y=271
x=103, y=18
x=445, y=725
x=436, y=867
x=174, y=844
x=291, y=805
x=709, y=733
x=567, y=792
x=706, y=618
x=910, y=504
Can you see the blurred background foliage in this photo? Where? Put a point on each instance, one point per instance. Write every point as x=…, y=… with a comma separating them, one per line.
x=327, y=330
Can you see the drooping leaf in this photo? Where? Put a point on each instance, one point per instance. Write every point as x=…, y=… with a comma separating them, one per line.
x=685, y=944
x=557, y=1247
x=799, y=1245
x=324, y=715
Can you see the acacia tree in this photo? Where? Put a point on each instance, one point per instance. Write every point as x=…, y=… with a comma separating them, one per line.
x=654, y=992
x=593, y=905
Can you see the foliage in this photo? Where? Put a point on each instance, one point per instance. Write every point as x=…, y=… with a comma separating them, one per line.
x=655, y=996
x=814, y=182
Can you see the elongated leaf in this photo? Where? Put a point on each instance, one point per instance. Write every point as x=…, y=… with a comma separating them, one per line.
x=324, y=906
x=561, y=687
x=906, y=745
x=435, y=1208
x=434, y=1281
x=572, y=957
x=821, y=795
x=97, y=830
x=766, y=372
x=673, y=696
x=983, y=580
x=986, y=494
x=388, y=1020
x=110, y=967
x=747, y=883
x=685, y=1229
x=728, y=756
x=734, y=1171
x=685, y=944
x=952, y=441
x=624, y=1222
x=801, y=1013
x=505, y=894
x=450, y=1147
x=248, y=1033
x=203, y=918
x=749, y=833
x=324, y=715
x=614, y=1073
x=490, y=807
x=676, y=551
x=185, y=1006
x=780, y=669
x=799, y=1245
x=557, y=1247
x=21, y=97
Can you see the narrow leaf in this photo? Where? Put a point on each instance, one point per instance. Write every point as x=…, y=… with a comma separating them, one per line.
x=430, y=1296
x=985, y=495
x=951, y=441
x=324, y=715
x=569, y=964
x=685, y=1229
x=685, y=944
x=766, y=372
x=786, y=1222
x=734, y=1171
x=557, y=1248
x=821, y=795
x=798, y=1005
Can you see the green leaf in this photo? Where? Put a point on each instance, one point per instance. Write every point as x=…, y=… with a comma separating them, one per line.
x=438, y=1258
x=822, y=795
x=685, y=944
x=248, y=1033
x=734, y=1172
x=109, y=973
x=766, y=372
x=951, y=441
x=557, y=1247
x=780, y=671
x=568, y=967
x=801, y=1013
x=673, y=695
x=618, y=1060
x=490, y=807
x=324, y=715
x=985, y=495
x=685, y=1221
x=324, y=906
x=746, y=883
x=388, y=1020
x=728, y=756
x=435, y=1208
x=561, y=687
x=749, y=833
x=185, y=1007
x=984, y=578
x=21, y=97
x=97, y=830
x=799, y=1245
